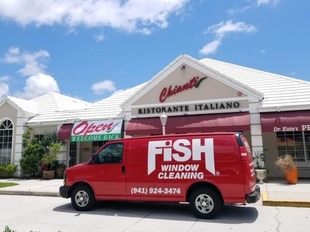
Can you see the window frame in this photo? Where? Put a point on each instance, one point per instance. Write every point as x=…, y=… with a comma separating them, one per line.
x=6, y=141
x=295, y=144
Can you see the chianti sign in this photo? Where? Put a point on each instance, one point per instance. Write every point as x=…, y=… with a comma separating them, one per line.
x=170, y=91
x=96, y=130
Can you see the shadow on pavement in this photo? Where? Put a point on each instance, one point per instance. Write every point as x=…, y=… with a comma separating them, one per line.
x=231, y=214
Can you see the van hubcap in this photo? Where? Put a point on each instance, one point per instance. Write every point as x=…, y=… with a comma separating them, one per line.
x=81, y=198
x=204, y=203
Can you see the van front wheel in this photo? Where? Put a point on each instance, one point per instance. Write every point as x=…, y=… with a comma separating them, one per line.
x=205, y=203
x=82, y=198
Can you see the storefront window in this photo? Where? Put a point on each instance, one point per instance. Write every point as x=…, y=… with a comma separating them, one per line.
x=47, y=138
x=6, y=135
x=296, y=144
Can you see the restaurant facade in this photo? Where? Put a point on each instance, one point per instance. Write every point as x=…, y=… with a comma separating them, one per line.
x=273, y=112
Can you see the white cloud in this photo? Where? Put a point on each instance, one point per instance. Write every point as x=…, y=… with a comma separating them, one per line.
x=103, y=86
x=4, y=89
x=210, y=48
x=267, y=2
x=238, y=10
x=32, y=62
x=4, y=78
x=128, y=15
x=99, y=37
x=38, y=85
x=221, y=30
x=252, y=4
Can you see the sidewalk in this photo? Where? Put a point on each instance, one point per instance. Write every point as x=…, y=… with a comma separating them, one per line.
x=32, y=187
x=274, y=193
x=279, y=193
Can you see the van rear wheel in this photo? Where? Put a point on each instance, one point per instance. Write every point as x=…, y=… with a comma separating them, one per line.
x=82, y=198
x=205, y=203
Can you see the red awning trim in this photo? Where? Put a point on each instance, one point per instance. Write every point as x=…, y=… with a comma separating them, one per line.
x=190, y=124
x=285, y=121
x=65, y=131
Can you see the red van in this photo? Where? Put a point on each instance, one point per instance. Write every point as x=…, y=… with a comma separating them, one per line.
x=205, y=169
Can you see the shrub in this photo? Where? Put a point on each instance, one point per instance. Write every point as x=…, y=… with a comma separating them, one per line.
x=50, y=158
x=285, y=163
x=33, y=151
x=259, y=158
x=8, y=169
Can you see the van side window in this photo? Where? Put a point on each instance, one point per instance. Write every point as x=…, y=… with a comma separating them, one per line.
x=113, y=153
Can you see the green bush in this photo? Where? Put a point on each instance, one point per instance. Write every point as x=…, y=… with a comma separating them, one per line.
x=50, y=158
x=33, y=151
x=8, y=169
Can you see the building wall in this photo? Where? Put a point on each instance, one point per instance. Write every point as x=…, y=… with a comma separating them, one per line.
x=206, y=89
x=19, y=120
x=7, y=111
x=270, y=143
x=21, y=128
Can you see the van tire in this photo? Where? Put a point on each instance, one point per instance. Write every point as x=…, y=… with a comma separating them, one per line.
x=82, y=198
x=205, y=203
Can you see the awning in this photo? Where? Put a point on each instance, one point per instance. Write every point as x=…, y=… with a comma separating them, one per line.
x=286, y=121
x=101, y=130
x=190, y=124
x=65, y=131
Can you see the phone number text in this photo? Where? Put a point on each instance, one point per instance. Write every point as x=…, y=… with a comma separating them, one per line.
x=137, y=190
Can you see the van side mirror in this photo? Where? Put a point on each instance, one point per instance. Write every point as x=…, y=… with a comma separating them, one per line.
x=94, y=158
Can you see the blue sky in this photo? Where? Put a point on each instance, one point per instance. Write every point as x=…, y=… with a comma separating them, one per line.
x=95, y=48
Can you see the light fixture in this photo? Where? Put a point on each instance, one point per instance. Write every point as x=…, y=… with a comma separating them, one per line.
x=163, y=120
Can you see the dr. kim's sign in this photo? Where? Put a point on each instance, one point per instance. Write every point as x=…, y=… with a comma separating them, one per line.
x=104, y=130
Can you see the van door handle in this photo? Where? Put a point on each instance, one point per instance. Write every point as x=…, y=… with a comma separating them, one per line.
x=123, y=169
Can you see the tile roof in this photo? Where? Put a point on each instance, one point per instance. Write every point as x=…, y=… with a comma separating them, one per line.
x=105, y=109
x=278, y=90
x=25, y=105
x=53, y=102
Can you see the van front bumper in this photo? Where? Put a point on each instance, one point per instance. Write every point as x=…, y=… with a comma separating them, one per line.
x=64, y=191
x=254, y=196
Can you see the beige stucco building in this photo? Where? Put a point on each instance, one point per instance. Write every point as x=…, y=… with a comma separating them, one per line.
x=273, y=111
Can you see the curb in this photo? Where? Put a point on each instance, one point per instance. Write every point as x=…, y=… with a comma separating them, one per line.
x=284, y=203
x=30, y=193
